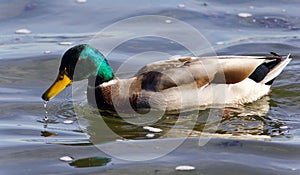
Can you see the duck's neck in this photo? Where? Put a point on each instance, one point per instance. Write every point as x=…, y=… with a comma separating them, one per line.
x=104, y=72
x=93, y=92
x=95, y=81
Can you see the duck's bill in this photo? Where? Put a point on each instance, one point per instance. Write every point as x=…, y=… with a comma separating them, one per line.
x=62, y=81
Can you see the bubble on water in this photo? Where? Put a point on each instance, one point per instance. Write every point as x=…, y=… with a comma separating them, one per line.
x=168, y=21
x=65, y=43
x=284, y=127
x=47, y=52
x=121, y=140
x=184, y=168
x=220, y=43
x=244, y=15
x=68, y=121
x=150, y=135
x=66, y=158
x=22, y=31
x=152, y=129
x=181, y=6
x=81, y=1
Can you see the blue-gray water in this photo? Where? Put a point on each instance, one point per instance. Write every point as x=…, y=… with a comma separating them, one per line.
x=267, y=132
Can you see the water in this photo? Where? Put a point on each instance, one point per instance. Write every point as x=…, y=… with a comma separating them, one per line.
x=258, y=138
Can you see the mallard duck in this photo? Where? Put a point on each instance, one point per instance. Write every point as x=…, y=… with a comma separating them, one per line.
x=177, y=84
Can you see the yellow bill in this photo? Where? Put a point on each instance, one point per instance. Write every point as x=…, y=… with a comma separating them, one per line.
x=62, y=81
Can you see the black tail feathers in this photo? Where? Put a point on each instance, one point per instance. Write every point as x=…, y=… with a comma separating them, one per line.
x=262, y=70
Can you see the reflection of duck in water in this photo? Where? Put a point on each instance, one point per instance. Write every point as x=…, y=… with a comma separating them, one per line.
x=257, y=108
x=172, y=85
x=252, y=120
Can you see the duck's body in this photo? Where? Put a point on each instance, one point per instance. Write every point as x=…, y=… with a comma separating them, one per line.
x=188, y=83
x=179, y=84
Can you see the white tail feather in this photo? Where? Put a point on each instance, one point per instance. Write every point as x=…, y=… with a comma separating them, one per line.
x=277, y=69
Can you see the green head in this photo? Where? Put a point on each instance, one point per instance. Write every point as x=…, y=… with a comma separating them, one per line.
x=78, y=63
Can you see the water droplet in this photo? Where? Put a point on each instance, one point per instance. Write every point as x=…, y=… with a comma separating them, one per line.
x=45, y=104
x=46, y=118
x=46, y=111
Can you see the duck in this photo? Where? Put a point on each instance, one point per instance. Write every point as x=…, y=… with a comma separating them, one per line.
x=173, y=85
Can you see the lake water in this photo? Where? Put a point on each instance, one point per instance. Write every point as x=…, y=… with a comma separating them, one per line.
x=258, y=138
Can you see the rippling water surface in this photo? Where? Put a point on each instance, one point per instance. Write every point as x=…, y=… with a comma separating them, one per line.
x=258, y=138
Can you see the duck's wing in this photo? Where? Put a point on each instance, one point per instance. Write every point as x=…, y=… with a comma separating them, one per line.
x=163, y=65
x=160, y=66
x=201, y=71
x=234, y=70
